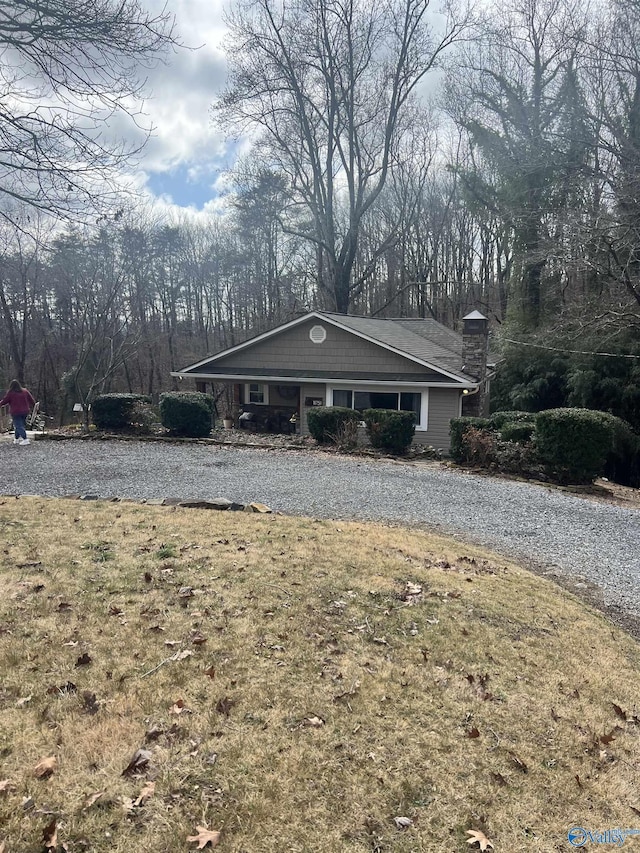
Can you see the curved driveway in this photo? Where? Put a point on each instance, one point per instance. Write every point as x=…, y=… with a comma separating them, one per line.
x=576, y=536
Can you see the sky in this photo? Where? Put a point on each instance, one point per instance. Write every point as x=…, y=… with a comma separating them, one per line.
x=183, y=163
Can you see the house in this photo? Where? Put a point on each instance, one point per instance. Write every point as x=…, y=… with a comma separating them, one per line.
x=327, y=359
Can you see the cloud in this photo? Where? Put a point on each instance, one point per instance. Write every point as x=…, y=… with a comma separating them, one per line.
x=185, y=152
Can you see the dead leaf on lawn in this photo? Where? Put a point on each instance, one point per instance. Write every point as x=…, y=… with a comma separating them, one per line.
x=24, y=701
x=91, y=799
x=89, y=702
x=205, y=836
x=473, y=732
x=314, y=722
x=6, y=785
x=147, y=792
x=45, y=767
x=139, y=762
x=185, y=653
x=154, y=732
x=478, y=837
x=179, y=707
x=198, y=640
x=84, y=660
x=50, y=835
x=403, y=822
x=224, y=706
x=211, y=672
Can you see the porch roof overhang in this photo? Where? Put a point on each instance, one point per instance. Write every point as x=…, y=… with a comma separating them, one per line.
x=338, y=377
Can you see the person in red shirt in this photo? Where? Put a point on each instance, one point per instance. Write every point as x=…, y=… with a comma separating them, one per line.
x=20, y=403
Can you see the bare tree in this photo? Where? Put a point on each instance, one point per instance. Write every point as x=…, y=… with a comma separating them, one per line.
x=67, y=69
x=331, y=86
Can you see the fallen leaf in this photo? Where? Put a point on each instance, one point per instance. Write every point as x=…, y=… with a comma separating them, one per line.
x=84, y=660
x=518, y=762
x=198, y=640
x=6, y=785
x=154, y=732
x=89, y=702
x=148, y=791
x=50, y=834
x=473, y=732
x=211, y=672
x=90, y=799
x=607, y=738
x=25, y=700
x=185, y=653
x=499, y=778
x=205, y=836
x=478, y=837
x=179, y=707
x=141, y=757
x=224, y=706
x=403, y=822
x=314, y=722
x=45, y=767
x=127, y=805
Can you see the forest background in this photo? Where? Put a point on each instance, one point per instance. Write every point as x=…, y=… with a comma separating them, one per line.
x=399, y=161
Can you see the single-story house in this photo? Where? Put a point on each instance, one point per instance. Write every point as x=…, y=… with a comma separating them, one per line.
x=327, y=359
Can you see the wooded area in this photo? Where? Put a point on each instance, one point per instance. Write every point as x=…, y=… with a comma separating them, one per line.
x=404, y=164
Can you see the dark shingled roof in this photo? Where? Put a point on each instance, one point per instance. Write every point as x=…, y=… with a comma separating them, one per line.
x=427, y=339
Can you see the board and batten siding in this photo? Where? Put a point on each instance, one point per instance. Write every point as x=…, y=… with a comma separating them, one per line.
x=294, y=349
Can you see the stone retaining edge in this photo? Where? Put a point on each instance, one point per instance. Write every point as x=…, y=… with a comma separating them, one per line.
x=220, y=504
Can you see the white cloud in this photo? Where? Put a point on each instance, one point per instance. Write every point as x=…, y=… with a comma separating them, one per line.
x=181, y=91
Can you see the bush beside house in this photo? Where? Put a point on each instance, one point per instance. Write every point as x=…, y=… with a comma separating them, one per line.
x=186, y=413
x=328, y=423
x=390, y=430
x=118, y=411
x=566, y=445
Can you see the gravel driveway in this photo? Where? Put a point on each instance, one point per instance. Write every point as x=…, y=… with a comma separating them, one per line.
x=532, y=523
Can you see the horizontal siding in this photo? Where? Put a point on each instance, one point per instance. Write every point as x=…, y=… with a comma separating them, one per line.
x=444, y=404
x=340, y=351
x=309, y=390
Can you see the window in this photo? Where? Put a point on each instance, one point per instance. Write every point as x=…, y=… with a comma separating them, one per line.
x=404, y=401
x=343, y=398
x=257, y=393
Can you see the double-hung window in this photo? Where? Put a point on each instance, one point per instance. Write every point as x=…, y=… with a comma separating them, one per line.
x=256, y=392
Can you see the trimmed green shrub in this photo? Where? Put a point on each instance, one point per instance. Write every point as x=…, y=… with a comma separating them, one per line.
x=573, y=444
x=326, y=423
x=186, y=413
x=622, y=464
x=519, y=431
x=114, y=411
x=499, y=419
x=389, y=429
x=457, y=429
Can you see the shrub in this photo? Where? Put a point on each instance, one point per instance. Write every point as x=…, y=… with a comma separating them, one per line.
x=573, y=444
x=326, y=422
x=389, y=429
x=478, y=446
x=457, y=429
x=186, y=413
x=519, y=431
x=622, y=464
x=142, y=418
x=521, y=459
x=114, y=411
x=499, y=419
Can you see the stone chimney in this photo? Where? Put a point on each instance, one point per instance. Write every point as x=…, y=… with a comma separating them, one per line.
x=475, y=347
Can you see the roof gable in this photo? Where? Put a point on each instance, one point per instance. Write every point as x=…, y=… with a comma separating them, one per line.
x=426, y=343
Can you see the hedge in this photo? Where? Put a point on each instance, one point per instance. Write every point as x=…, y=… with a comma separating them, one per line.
x=186, y=413
x=326, y=422
x=519, y=431
x=114, y=411
x=389, y=429
x=573, y=444
x=622, y=464
x=457, y=428
x=499, y=419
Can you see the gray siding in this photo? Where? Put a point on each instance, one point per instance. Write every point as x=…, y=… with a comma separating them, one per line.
x=443, y=405
x=309, y=390
x=341, y=350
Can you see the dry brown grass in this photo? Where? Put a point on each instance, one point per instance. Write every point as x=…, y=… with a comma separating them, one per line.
x=295, y=619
